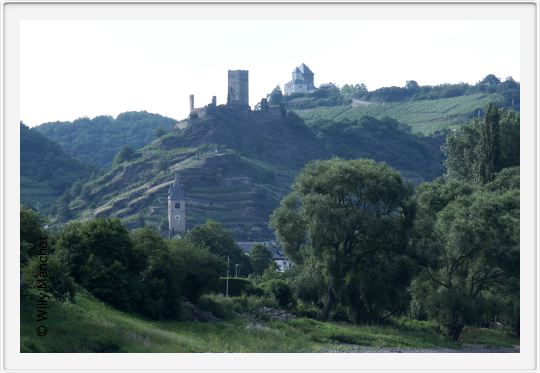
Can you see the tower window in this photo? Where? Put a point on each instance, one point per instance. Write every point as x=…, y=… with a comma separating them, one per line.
x=177, y=205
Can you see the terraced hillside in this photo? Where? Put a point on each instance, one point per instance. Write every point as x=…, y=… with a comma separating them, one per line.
x=424, y=117
x=236, y=166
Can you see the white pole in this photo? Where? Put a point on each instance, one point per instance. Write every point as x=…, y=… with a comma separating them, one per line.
x=227, y=280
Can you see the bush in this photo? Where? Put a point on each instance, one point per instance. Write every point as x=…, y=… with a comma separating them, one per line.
x=303, y=310
x=99, y=255
x=226, y=307
x=237, y=286
x=252, y=304
x=218, y=305
x=177, y=273
x=58, y=281
x=281, y=291
x=31, y=231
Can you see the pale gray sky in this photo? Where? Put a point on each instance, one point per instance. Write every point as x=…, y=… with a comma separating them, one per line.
x=71, y=69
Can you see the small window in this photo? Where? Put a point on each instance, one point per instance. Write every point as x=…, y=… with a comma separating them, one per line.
x=177, y=205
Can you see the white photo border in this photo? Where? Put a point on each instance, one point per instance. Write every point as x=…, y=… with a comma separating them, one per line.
x=13, y=12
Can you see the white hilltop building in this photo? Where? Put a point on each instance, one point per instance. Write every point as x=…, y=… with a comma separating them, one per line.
x=302, y=81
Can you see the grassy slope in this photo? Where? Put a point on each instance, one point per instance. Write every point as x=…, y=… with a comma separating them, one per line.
x=426, y=116
x=91, y=326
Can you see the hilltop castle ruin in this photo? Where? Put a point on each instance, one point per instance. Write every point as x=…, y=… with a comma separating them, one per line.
x=238, y=88
x=237, y=94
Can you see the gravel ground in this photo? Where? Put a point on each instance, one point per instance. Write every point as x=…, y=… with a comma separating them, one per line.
x=465, y=349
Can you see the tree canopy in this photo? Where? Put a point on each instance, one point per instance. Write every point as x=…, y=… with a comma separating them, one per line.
x=352, y=217
x=478, y=151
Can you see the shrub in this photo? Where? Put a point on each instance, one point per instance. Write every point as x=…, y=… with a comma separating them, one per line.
x=58, y=281
x=99, y=255
x=237, y=286
x=177, y=273
x=225, y=307
x=251, y=304
x=303, y=310
x=220, y=306
x=281, y=291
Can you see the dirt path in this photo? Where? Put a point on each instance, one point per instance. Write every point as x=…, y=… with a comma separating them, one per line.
x=350, y=348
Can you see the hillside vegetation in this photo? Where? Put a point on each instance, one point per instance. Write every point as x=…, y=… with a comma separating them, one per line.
x=424, y=117
x=46, y=170
x=375, y=265
x=236, y=166
x=96, y=141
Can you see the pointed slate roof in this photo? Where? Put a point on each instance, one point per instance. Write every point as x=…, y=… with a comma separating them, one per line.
x=296, y=70
x=304, y=69
x=176, y=190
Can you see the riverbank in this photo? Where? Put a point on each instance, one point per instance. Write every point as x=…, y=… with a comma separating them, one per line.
x=88, y=325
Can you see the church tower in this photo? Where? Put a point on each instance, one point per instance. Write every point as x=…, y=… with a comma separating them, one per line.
x=177, y=207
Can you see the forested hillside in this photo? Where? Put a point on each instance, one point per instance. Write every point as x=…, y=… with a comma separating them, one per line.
x=46, y=170
x=96, y=141
x=237, y=165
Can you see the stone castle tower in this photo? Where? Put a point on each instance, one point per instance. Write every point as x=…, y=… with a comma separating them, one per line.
x=177, y=207
x=238, y=92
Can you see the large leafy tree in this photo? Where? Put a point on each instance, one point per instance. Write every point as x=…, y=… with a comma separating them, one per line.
x=466, y=239
x=260, y=259
x=352, y=217
x=218, y=241
x=31, y=232
x=478, y=151
x=177, y=272
x=275, y=97
x=100, y=256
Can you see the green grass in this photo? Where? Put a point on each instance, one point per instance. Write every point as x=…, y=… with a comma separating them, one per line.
x=425, y=117
x=91, y=326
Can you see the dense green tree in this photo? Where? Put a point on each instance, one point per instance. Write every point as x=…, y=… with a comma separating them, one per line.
x=176, y=273
x=99, y=254
x=218, y=241
x=481, y=149
x=31, y=226
x=351, y=216
x=146, y=242
x=466, y=239
x=202, y=268
x=412, y=85
x=57, y=278
x=275, y=97
x=126, y=154
x=264, y=105
x=160, y=132
x=307, y=281
x=489, y=83
x=509, y=139
x=260, y=259
x=354, y=91
x=489, y=147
